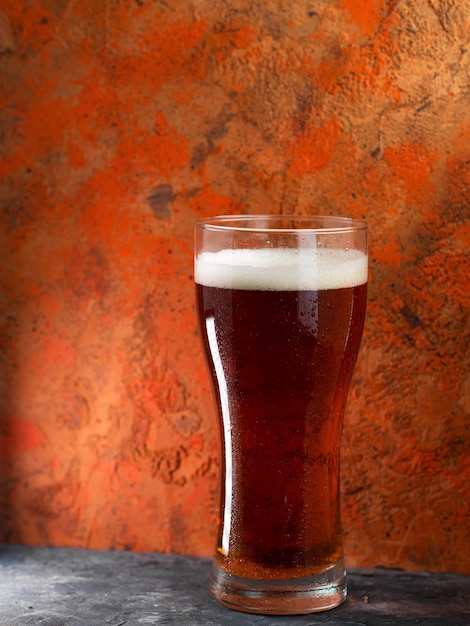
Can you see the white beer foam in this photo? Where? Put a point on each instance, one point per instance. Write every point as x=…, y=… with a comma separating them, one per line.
x=281, y=269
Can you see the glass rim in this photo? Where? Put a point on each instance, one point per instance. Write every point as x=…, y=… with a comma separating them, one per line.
x=228, y=223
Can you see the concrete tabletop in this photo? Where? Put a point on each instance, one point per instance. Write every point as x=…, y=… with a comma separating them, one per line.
x=63, y=586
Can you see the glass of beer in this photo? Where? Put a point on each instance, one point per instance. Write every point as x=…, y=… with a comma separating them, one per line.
x=281, y=303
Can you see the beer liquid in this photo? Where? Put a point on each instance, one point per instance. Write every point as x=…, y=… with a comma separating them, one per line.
x=281, y=346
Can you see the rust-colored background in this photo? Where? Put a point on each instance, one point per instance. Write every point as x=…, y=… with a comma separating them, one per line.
x=121, y=122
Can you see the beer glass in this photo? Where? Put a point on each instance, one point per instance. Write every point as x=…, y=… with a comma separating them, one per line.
x=281, y=303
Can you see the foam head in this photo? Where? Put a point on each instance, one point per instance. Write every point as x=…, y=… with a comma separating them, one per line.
x=281, y=269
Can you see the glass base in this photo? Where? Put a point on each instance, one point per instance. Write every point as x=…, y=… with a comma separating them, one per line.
x=318, y=592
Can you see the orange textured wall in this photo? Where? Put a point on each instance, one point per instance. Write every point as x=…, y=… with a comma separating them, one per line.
x=121, y=122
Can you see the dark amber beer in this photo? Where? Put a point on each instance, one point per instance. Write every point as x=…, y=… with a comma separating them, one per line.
x=281, y=330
